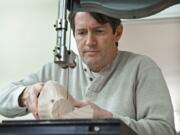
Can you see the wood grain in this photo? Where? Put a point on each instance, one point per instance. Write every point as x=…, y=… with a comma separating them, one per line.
x=53, y=104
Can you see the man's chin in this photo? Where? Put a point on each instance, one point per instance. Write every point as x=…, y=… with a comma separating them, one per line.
x=93, y=65
x=91, y=61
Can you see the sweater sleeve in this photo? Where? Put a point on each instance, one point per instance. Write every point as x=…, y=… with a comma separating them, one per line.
x=9, y=94
x=154, y=111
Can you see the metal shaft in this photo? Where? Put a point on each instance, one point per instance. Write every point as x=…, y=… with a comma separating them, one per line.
x=61, y=28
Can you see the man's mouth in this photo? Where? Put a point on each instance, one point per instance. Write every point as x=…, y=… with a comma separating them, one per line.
x=92, y=52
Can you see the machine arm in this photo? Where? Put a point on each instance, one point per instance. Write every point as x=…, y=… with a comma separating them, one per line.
x=62, y=56
x=122, y=9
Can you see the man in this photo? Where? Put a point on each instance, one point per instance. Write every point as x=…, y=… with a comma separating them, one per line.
x=117, y=84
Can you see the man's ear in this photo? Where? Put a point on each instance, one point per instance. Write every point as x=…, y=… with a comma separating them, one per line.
x=118, y=32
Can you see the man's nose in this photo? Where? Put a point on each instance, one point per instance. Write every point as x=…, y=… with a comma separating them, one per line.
x=90, y=40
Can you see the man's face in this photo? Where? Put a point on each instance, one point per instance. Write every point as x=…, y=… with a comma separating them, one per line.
x=96, y=42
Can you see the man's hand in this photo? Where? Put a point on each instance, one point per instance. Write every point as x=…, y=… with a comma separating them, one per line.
x=98, y=112
x=29, y=98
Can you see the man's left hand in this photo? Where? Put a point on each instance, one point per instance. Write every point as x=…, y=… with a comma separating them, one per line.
x=98, y=111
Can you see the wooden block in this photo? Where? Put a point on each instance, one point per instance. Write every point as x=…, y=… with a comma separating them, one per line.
x=53, y=101
x=53, y=104
x=79, y=113
x=61, y=107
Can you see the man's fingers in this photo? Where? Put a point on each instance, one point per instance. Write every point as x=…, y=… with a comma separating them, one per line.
x=37, y=88
x=35, y=110
x=32, y=105
x=80, y=103
x=32, y=98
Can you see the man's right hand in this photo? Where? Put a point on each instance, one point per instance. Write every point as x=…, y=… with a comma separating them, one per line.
x=29, y=98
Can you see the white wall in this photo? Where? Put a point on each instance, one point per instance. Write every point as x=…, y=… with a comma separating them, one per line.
x=27, y=36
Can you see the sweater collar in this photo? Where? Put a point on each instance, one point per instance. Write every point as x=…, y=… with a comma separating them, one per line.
x=108, y=68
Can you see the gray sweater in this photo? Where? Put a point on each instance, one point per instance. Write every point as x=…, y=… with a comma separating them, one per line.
x=132, y=88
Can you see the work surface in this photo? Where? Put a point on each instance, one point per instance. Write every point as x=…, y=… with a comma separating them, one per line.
x=66, y=127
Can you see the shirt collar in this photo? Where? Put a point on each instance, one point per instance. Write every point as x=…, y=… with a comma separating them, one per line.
x=105, y=70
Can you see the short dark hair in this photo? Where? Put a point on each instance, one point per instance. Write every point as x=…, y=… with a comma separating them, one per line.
x=100, y=18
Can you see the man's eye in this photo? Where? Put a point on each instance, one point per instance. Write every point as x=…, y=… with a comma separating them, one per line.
x=81, y=33
x=99, y=31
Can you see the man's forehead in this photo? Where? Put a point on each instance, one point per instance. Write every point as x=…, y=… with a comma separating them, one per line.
x=87, y=21
x=93, y=26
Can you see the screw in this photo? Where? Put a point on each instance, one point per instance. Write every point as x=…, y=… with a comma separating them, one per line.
x=96, y=128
